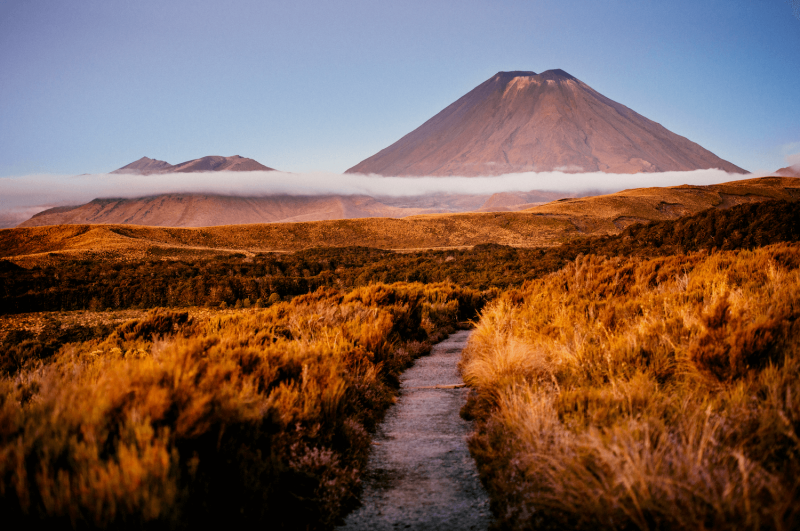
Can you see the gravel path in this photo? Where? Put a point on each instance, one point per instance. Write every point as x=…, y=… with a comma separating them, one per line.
x=420, y=474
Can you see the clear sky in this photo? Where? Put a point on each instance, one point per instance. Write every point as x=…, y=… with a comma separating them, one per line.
x=87, y=86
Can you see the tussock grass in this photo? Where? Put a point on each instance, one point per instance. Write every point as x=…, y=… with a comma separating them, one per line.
x=629, y=393
x=247, y=418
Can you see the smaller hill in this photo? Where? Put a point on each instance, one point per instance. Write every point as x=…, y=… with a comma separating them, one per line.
x=206, y=210
x=148, y=166
x=609, y=214
x=216, y=163
x=513, y=201
x=789, y=171
x=145, y=166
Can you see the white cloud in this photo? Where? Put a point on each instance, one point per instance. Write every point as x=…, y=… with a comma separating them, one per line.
x=791, y=153
x=793, y=159
x=20, y=197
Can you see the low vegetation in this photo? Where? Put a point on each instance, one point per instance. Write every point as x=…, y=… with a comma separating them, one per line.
x=232, y=418
x=238, y=279
x=633, y=393
x=642, y=380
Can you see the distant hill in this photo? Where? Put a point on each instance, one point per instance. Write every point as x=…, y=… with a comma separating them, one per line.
x=544, y=225
x=789, y=171
x=523, y=121
x=204, y=210
x=513, y=201
x=145, y=166
x=148, y=166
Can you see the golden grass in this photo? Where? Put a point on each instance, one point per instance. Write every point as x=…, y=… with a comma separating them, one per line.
x=246, y=418
x=457, y=230
x=607, y=214
x=643, y=394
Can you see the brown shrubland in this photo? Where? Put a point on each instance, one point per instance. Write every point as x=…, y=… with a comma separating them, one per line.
x=237, y=278
x=255, y=417
x=633, y=393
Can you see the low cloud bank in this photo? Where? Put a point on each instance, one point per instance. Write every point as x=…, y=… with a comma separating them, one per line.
x=21, y=197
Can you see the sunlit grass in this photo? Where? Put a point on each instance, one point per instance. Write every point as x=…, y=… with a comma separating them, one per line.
x=232, y=418
x=625, y=393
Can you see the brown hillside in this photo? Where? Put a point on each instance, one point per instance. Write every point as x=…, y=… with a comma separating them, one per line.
x=216, y=163
x=513, y=201
x=451, y=230
x=607, y=214
x=203, y=210
x=206, y=210
x=523, y=121
x=545, y=225
x=147, y=166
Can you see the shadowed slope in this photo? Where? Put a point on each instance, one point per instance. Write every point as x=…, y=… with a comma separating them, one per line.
x=521, y=121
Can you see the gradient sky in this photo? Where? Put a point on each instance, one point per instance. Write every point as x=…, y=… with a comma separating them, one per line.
x=88, y=86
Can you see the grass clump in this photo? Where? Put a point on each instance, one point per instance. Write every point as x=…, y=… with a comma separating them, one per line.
x=242, y=418
x=643, y=394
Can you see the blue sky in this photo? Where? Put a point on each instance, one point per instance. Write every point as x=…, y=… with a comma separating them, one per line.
x=88, y=86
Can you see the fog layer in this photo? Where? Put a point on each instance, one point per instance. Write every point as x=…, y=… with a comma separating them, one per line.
x=21, y=197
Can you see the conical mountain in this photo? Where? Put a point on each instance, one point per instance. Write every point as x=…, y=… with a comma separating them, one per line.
x=523, y=121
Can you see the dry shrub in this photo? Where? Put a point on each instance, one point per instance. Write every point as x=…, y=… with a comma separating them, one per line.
x=236, y=419
x=629, y=393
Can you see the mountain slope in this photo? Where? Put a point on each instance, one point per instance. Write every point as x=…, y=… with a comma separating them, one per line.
x=216, y=163
x=789, y=171
x=543, y=225
x=523, y=121
x=202, y=210
x=147, y=166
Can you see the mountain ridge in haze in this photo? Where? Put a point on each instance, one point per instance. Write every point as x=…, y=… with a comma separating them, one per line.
x=542, y=225
x=521, y=121
x=789, y=171
x=203, y=210
x=148, y=166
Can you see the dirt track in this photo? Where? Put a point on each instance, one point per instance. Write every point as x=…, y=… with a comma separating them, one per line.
x=420, y=474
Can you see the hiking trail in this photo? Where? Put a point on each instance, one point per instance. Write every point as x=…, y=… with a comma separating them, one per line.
x=420, y=474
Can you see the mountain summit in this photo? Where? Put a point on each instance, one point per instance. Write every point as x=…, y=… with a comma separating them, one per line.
x=523, y=121
x=147, y=166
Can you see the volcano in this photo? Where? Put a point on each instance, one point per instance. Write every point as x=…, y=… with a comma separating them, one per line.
x=523, y=121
